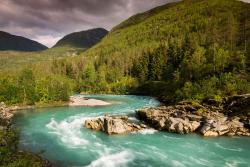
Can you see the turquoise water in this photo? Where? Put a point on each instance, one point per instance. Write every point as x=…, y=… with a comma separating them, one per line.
x=58, y=135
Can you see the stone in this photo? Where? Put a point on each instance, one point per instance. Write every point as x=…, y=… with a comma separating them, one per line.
x=113, y=125
x=195, y=125
x=94, y=124
x=211, y=134
x=116, y=126
x=193, y=117
x=223, y=129
x=161, y=123
x=205, y=128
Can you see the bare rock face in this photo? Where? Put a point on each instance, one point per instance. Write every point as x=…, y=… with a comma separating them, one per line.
x=113, y=125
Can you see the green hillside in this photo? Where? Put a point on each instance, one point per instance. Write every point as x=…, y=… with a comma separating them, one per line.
x=10, y=59
x=192, y=49
x=189, y=49
x=83, y=39
x=138, y=18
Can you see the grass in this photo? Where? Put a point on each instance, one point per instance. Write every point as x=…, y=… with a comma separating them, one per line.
x=14, y=59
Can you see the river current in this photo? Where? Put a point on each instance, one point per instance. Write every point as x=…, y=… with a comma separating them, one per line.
x=58, y=135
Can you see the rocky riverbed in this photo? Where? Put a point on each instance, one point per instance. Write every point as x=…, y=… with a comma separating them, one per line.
x=230, y=117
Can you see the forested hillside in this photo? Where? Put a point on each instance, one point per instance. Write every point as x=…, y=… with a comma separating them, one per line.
x=192, y=49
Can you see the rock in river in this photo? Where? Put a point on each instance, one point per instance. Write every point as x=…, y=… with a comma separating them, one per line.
x=113, y=125
x=170, y=119
x=186, y=117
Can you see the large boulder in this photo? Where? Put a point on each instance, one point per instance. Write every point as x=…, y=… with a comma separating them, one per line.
x=113, y=125
x=213, y=128
x=182, y=126
x=170, y=119
x=237, y=128
x=117, y=125
x=223, y=126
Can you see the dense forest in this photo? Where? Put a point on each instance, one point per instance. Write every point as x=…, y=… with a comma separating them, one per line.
x=193, y=49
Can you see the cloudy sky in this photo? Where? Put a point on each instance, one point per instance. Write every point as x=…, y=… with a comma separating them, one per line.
x=46, y=21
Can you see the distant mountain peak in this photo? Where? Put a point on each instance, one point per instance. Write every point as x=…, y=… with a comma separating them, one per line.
x=18, y=43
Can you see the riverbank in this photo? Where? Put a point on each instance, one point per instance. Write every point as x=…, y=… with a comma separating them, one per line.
x=84, y=101
x=74, y=101
x=9, y=139
x=17, y=107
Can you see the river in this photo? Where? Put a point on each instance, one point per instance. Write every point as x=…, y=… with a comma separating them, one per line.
x=58, y=135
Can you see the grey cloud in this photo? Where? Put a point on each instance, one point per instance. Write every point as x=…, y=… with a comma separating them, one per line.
x=55, y=18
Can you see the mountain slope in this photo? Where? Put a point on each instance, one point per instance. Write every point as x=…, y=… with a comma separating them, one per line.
x=83, y=39
x=140, y=17
x=185, y=44
x=18, y=43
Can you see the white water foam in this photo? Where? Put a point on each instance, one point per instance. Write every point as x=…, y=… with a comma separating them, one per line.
x=68, y=132
x=177, y=163
x=199, y=161
x=147, y=131
x=170, y=137
x=154, y=150
x=120, y=159
x=235, y=163
x=230, y=149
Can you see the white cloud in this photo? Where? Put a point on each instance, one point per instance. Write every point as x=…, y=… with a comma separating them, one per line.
x=248, y=1
x=47, y=40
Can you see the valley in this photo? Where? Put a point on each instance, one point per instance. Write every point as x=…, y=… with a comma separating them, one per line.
x=165, y=87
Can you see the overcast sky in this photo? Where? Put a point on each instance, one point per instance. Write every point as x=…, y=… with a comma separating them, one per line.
x=46, y=21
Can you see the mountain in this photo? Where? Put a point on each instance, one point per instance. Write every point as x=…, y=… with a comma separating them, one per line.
x=189, y=49
x=193, y=49
x=83, y=39
x=18, y=43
